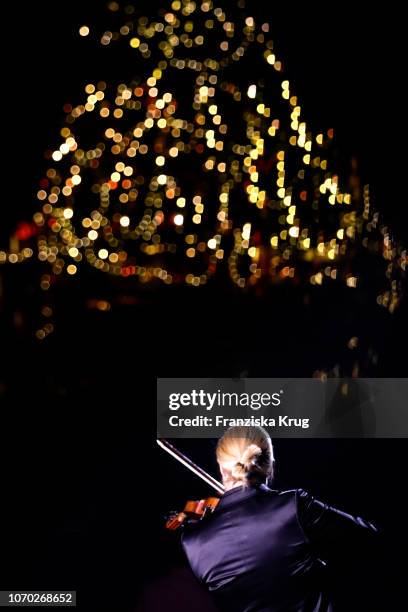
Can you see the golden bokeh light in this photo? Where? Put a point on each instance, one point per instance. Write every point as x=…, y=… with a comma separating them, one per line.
x=202, y=162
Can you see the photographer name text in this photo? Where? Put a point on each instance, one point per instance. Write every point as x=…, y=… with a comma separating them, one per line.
x=221, y=421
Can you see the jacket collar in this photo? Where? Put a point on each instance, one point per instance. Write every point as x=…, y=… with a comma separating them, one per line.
x=237, y=494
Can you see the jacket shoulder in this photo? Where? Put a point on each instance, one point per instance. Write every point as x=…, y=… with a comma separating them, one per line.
x=290, y=494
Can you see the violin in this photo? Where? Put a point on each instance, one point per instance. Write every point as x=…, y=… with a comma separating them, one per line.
x=193, y=510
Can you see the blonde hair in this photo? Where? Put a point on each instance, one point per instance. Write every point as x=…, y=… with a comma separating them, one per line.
x=246, y=455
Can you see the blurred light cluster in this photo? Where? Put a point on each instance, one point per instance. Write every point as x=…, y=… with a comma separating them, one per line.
x=201, y=164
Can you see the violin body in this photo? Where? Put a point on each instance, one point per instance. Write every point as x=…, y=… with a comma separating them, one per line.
x=193, y=511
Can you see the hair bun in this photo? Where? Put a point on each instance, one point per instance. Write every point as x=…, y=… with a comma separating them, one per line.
x=247, y=464
x=249, y=456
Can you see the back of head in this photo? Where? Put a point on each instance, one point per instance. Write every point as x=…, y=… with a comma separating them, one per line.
x=245, y=456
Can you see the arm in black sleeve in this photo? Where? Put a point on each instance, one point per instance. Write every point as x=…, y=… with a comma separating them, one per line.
x=328, y=528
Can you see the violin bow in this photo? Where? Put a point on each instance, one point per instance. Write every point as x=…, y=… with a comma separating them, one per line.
x=174, y=452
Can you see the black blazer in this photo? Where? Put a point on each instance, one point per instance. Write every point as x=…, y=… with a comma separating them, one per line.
x=261, y=550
